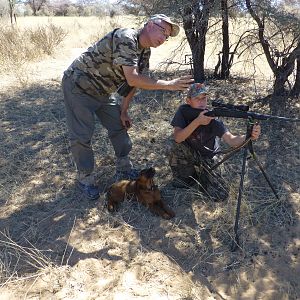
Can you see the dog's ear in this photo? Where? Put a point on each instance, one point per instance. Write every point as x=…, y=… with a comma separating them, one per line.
x=148, y=173
x=152, y=170
x=143, y=172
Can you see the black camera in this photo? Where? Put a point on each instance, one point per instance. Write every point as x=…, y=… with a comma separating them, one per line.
x=220, y=103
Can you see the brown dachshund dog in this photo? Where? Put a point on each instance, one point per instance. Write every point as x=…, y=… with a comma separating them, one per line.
x=143, y=189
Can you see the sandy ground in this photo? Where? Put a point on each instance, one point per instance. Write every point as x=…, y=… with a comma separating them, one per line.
x=57, y=245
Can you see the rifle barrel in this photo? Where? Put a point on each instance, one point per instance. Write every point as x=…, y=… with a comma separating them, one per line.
x=233, y=113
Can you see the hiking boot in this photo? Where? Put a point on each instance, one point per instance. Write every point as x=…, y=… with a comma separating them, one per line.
x=132, y=174
x=90, y=191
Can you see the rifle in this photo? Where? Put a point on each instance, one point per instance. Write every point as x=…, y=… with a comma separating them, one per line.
x=231, y=111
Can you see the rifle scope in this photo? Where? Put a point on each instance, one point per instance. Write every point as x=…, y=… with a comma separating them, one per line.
x=220, y=103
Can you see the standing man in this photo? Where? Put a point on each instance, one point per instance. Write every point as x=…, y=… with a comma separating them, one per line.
x=117, y=60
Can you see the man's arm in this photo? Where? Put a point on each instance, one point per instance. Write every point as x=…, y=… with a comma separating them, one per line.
x=145, y=82
x=125, y=119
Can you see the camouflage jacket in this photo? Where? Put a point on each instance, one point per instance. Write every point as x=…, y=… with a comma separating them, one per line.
x=98, y=71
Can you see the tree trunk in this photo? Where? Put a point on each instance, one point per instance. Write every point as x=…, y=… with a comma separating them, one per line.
x=195, y=24
x=225, y=34
x=198, y=52
x=11, y=18
x=11, y=5
x=296, y=88
x=282, y=74
x=217, y=67
x=279, y=98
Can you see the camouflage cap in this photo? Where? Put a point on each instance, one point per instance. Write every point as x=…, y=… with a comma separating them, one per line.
x=175, y=28
x=196, y=89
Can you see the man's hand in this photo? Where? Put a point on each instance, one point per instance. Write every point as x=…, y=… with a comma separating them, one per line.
x=255, y=132
x=137, y=80
x=181, y=83
x=125, y=119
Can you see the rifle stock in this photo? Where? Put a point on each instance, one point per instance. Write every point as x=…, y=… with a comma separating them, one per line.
x=190, y=114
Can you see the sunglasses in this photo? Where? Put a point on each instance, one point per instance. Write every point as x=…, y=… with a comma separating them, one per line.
x=163, y=31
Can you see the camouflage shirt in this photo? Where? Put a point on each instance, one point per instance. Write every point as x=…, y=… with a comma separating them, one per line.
x=98, y=71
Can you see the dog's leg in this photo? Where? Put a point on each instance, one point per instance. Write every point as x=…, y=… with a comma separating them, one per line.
x=166, y=209
x=152, y=200
x=159, y=208
x=167, y=213
x=114, y=198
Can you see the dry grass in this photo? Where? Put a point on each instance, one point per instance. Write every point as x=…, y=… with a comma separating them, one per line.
x=56, y=245
x=19, y=47
x=47, y=38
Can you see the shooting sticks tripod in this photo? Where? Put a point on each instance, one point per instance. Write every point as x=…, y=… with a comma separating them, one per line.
x=248, y=147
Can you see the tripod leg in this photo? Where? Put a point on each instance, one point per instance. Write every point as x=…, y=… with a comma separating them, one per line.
x=230, y=154
x=236, y=240
x=262, y=170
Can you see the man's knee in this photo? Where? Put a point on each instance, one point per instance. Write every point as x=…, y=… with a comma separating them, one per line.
x=121, y=142
x=80, y=143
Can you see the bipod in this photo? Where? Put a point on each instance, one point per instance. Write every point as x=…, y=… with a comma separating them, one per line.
x=248, y=147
